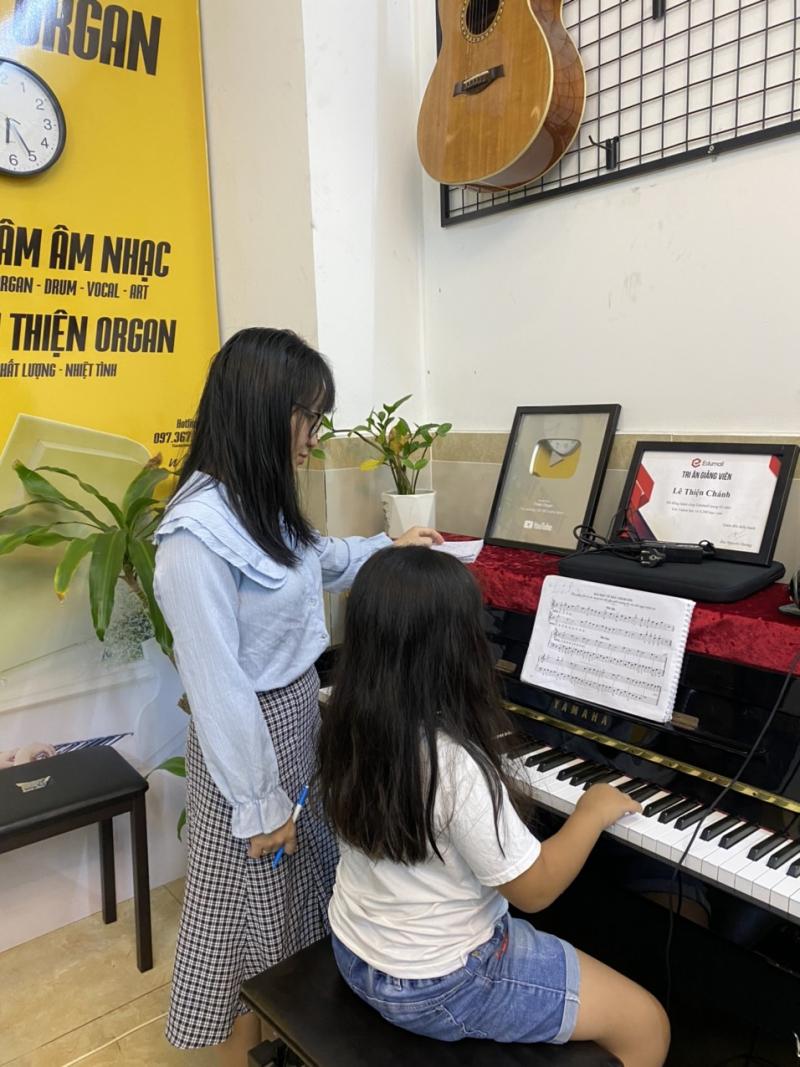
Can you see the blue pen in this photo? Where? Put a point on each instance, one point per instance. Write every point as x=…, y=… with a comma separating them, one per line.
x=295, y=816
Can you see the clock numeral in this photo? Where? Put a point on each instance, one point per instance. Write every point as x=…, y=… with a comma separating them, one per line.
x=39, y=104
x=12, y=159
x=31, y=157
x=48, y=125
x=44, y=143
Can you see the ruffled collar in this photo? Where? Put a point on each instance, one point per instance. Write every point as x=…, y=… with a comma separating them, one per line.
x=203, y=509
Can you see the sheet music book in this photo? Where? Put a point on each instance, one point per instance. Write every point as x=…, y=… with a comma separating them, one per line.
x=608, y=645
x=90, y=742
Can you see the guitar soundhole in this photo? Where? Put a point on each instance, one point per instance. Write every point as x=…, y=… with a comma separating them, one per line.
x=480, y=14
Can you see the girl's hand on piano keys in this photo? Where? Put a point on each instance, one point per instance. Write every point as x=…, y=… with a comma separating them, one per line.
x=605, y=804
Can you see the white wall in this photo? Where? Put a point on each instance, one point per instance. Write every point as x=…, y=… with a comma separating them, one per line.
x=254, y=65
x=674, y=294
x=366, y=201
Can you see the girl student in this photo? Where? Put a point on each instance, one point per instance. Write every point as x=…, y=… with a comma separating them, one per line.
x=432, y=846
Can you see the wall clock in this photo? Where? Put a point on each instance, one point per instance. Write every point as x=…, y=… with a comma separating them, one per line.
x=32, y=126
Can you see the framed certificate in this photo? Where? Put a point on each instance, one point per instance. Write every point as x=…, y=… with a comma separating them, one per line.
x=551, y=476
x=731, y=495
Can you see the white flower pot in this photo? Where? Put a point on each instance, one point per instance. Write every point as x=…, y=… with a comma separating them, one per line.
x=402, y=512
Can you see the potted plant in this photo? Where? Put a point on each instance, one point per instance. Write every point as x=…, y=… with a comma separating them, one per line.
x=404, y=450
x=119, y=545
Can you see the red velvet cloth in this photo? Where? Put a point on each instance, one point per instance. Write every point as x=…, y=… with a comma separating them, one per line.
x=750, y=631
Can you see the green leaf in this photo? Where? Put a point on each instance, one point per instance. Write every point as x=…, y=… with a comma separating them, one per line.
x=69, y=563
x=143, y=485
x=20, y=507
x=40, y=488
x=143, y=557
x=39, y=536
x=326, y=437
x=149, y=528
x=444, y=428
x=391, y=408
x=112, y=507
x=181, y=823
x=174, y=765
x=107, y=557
x=318, y=453
x=138, y=506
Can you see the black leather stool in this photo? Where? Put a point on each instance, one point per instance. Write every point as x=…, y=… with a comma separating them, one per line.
x=306, y=1000
x=84, y=787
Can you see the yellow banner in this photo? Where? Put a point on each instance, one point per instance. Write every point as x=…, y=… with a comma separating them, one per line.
x=107, y=299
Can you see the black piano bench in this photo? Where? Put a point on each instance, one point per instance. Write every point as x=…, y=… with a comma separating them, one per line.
x=76, y=789
x=308, y=1003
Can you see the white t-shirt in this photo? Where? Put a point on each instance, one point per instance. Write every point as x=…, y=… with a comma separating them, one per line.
x=422, y=921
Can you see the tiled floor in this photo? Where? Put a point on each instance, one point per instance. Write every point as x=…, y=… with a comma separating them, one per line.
x=75, y=995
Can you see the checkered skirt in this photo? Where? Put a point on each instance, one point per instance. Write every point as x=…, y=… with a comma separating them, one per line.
x=239, y=915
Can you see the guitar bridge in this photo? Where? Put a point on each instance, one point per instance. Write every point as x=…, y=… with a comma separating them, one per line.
x=476, y=83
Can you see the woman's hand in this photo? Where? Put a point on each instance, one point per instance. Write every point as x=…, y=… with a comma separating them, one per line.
x=605, y=804
x=419, y=535
x=35, y=750
x=263, y=844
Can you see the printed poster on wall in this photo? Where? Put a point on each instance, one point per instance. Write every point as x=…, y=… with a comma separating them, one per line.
x=107, y=323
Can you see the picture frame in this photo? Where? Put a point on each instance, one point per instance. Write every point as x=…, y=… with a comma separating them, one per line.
x=551, y=476
x=733, y=495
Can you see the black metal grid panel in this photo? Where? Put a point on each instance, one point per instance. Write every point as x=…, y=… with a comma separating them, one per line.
x=666, y=81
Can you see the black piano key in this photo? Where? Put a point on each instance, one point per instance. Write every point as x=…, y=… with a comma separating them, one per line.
x=568, y=772
x=555, y=759
x=721, y=826
x=534, y=757
x=739, y=834
x=586, y=774
x=788, y=852
x=691, y=817
x=634, y=783
x=655, y=807
x=794, y=869
x=679, y=809
x=760, y=850
x=644, y=793
x=526, y=748
x=606, y=776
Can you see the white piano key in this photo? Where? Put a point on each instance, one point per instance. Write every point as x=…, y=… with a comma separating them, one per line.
x=761, y=878
x=730, y=867
x=637, y=828
x=721, y=856
x=794, y=903
x=785, y=896
x=701, y=849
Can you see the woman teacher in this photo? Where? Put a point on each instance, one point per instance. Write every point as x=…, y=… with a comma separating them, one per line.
x=240, y=574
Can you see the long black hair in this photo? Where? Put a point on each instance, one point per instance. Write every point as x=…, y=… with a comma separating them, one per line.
x=243, y=432
x=414, y=661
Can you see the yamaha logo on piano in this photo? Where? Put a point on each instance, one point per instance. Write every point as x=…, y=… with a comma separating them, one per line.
x=579, y=711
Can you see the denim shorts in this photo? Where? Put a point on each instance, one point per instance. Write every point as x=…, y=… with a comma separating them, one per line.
x=520, y=985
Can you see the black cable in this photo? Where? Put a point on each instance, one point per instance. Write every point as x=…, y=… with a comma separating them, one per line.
x=713, y=807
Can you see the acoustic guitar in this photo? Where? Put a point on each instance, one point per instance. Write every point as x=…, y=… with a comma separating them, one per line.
x=506, y=96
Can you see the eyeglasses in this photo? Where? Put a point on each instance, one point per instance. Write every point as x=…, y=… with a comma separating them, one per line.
x=316, y=418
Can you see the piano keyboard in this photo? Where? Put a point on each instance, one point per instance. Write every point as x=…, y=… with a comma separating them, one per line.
x=728, y=852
